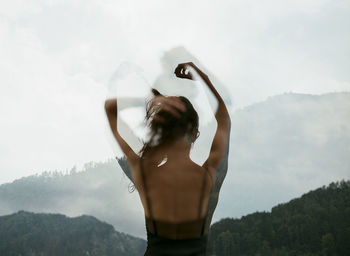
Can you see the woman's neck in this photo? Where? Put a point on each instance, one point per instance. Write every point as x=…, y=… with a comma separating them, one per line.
x=176, y=149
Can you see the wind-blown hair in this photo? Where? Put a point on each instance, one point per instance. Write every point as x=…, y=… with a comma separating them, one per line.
x=171, y=127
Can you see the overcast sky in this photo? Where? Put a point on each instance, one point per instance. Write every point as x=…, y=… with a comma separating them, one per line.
x=58, y=56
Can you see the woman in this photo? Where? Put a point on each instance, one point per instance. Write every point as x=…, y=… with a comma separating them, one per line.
x=174, y=190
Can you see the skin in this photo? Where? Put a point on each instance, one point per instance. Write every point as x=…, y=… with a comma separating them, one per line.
x=178, y=149
x=222, y=117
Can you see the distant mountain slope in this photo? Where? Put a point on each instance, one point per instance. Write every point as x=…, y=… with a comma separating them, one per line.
x=99, y=191
x=318, y=223
x=283, y=147
x=279, y=149
x=26, y=233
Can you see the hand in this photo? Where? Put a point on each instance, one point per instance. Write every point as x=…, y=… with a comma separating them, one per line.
x=182, y=70
x=173, y=105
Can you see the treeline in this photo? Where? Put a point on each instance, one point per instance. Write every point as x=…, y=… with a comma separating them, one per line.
x=30, y=234
x=318, y=223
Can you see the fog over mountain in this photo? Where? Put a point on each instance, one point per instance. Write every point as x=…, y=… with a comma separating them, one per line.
x=100, y=190
x=279, y=149
x=283, y=147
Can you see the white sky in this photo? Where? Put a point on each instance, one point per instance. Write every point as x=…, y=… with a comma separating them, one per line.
x=57, y=56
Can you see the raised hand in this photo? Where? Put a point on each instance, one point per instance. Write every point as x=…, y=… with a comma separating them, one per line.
x=183, y=70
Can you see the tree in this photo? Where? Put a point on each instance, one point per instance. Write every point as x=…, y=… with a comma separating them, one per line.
x=328, y=245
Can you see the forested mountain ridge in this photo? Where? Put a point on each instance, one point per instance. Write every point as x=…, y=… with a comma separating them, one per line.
x=318, y=223
x=30, y=234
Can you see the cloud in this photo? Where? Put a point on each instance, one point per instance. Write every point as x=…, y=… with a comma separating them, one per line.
x=49, y=118
x=58, y=56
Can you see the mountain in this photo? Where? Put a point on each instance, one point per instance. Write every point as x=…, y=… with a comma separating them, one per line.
x=100, y=190
x=279, y=149
x=30, y=234
x=283, y=147
x=318, y=223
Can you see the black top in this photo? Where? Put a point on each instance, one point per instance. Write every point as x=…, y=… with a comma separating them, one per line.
x=160, y=246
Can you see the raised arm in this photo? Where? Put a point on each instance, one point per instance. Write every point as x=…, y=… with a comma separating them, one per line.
x=222, y=117
x=112, y=113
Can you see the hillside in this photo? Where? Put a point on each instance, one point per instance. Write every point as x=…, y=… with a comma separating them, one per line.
x=100, y=190
x=30, y=234
x=318, y=223
x=279, y=149
x=284, y=146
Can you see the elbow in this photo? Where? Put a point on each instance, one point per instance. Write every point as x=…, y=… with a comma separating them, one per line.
x=229, y=121
x=224, y=123
x=223, y=119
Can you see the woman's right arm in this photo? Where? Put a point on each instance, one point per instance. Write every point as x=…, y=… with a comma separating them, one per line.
x=222, y=117
x=111, y=109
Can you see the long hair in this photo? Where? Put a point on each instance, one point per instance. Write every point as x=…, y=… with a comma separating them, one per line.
x=171, y=127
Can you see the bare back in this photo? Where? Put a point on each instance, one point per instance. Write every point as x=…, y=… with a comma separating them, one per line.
x=172, y=187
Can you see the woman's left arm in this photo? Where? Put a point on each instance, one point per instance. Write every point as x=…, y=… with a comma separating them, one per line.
x=111, y=109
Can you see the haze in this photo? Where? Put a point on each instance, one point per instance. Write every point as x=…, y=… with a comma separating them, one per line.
x=58, y=59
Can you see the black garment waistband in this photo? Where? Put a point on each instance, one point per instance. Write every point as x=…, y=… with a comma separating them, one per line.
x=157, y=245
x=176, y=231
